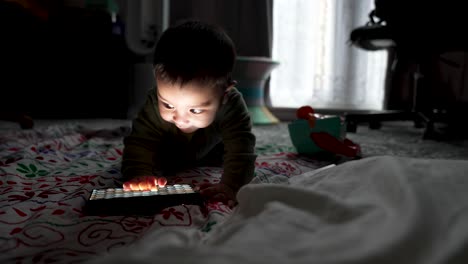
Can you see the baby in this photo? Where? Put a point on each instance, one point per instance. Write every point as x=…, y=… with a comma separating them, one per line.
x=194, y=116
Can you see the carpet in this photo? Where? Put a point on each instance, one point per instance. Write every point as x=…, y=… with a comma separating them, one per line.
x=398, y=138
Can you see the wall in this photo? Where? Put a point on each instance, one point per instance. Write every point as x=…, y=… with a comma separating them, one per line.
x=66, y=64
x=245, y=21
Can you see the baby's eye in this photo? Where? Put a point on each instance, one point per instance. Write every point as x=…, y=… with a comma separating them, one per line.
x=196, y=111
x=168, y=106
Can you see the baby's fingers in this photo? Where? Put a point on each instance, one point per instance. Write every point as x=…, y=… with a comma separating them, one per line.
x=222, y=197
x=161, y=181
x=231, y=203
x=127, y=186
x=144, y=183
x=149, y=184
x=131, y=186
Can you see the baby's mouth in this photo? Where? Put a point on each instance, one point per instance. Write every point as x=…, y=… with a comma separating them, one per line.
x=181, y=126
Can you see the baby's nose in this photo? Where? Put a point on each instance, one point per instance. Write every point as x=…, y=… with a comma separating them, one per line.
x=179, y=118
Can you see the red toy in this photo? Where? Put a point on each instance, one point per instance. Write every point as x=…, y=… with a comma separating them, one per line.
x=305, y=112
x=325, y=140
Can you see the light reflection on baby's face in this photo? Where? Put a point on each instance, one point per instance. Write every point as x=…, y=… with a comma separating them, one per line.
x=190, y=107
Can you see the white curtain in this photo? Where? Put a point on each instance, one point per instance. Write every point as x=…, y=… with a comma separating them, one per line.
x=318, y=66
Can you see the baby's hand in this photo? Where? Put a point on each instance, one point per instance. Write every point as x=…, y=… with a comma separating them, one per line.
x=218, y=192
x=144, y=183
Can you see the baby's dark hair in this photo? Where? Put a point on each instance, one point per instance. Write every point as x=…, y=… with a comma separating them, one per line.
x=195, y=51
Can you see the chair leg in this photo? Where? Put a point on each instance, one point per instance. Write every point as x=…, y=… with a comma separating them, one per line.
x=375, y=125
x=351, y=126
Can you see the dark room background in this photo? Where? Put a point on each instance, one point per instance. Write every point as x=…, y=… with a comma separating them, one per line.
x=70, y=59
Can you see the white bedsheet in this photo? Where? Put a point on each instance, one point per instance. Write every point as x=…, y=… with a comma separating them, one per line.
x=374, y=210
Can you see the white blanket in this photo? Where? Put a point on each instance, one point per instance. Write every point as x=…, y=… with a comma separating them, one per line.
x=374, y=210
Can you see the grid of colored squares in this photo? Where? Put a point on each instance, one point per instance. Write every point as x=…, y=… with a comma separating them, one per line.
x=119, y=192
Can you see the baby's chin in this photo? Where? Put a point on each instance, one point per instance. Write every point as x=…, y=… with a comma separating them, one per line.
x=188, y=130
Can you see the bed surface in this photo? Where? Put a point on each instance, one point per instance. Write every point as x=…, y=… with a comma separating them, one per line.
x=48, y=173
x=381, y=209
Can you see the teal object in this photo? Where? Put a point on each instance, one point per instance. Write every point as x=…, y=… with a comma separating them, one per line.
x=299, y=132
x=251, y=74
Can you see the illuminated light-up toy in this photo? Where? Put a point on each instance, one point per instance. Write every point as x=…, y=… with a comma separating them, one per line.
x=117, y=201
x=313, y=133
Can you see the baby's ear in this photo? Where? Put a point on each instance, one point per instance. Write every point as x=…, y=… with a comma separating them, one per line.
x=226, y=91
x=231, y=84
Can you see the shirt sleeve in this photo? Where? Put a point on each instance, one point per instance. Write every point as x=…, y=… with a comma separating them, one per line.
x=140, y=146
x=239, y=142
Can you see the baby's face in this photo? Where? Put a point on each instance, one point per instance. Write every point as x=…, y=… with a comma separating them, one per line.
x=189, y=107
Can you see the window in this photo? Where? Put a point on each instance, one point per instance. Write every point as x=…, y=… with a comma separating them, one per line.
x=318, y=66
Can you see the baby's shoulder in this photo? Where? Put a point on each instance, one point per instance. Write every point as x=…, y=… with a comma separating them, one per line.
x=232, y=101
x=233, y=108
x=233, y=92
x=233, y=98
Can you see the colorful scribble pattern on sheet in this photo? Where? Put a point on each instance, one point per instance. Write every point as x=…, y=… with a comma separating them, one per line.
x=47, y=175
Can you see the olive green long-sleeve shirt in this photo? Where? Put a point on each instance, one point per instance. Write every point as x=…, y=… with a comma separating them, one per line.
x=155, y=143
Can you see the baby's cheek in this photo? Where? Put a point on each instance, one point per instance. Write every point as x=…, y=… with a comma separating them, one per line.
x=205, y=121
x=165, y=116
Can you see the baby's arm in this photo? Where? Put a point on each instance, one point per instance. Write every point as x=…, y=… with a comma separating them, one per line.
x=139, y=154
x=239, y=149
x=239, y=144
